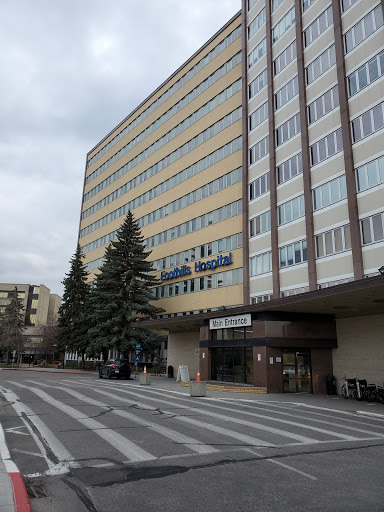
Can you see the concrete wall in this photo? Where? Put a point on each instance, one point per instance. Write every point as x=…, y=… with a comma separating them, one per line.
x=181, y=351
x=360, y=349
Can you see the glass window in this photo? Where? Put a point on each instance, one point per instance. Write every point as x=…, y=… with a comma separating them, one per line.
x=328, y=243
x=372, y=174
x=347, y=237
x=366, y=231
x=377, y=225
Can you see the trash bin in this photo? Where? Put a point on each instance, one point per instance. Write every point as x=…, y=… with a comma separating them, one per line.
x=331, y=384
x=170, y=372
x=57, y=366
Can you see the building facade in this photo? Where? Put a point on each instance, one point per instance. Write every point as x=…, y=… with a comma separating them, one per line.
x=40, y=308
x=256, y=174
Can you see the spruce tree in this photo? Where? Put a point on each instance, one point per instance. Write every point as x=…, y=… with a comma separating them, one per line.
x=12, y=326
x=122, y=295
x=73, y=312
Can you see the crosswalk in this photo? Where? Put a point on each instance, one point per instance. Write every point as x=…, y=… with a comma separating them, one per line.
x=78, y=423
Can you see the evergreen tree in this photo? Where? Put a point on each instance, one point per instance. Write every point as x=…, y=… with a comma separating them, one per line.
x=121, y=296
x=73, y=314
x=12, y=326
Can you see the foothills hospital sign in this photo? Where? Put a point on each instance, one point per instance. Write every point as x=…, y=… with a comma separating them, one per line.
x=185, y=270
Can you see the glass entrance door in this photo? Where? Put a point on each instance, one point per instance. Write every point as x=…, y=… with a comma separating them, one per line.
x=232, y=364
x=297, y=371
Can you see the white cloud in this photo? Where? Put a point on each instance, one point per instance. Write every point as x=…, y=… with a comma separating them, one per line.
x=71, y=71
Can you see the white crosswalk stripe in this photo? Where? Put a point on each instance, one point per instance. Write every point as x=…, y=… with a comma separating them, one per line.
x=126, y=447
x=187, y=441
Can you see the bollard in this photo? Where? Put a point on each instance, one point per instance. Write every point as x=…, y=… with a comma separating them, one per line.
x=145, y=379
x=197, y=388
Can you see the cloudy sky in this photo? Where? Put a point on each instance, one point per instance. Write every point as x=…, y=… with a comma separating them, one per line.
x=70, y=72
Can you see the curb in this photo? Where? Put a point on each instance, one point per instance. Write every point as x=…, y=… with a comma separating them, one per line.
x=46, y=371
x=19, y=492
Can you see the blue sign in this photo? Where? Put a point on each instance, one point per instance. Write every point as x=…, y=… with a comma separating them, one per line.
x=137, y=359
x=138, y=346
x=184, y=270
x=136, y=364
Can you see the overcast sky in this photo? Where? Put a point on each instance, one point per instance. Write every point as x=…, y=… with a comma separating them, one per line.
x=71, y=70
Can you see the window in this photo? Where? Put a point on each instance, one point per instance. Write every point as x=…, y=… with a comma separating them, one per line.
x=307, y=3
x=257, y=53
x=259, y=187
x=259, y=150
x=257, y=84
x=293, y=254
x=363, y=29
x=329, y=193
x=333, y=241
x=260, y=224
x=261, y=298
x=320, y=65
x=288, y=130
x=371, y=174
x=317, y=27
x=372, y=229
x=285, y=58
x=251, y=3
x=289, y=169
x=346, y=4
x=261, y=264
x=286, y=93
x=283, y=25
x=324, y=104
x=326, y=147
x=276, y=3
x=291, y=210
x=256, y=23
x=368, y=123
x=258, y=116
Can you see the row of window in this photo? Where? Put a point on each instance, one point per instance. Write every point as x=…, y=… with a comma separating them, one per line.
x=371, y=174
x=197, y=284
x=285, y=58
x=286, y=93
x=289, y=169
x=260, y=224
x=368, y=123
x=333, y=241
x=202, y=87
x=326, y=147
x=288, y=130
x=346, y=4
x=189, y=121
x=363, y=29
x=291, y=210
x=324, y=104
x=283, y=25
x=259, y=150
x=10, y=294
x=258, y=116
x=230, y=243
x=320, y=65
x=372, y=228
x=225, y=212
x=175, y=87
x=329, y=193
x=259, y=186
x=256, y=23
x=293, y=254
x=260, y=264
x=366, y=74
x=257, y=84
x=317, y=27
x=257, y=52
x=171, y=182
x=155, y=215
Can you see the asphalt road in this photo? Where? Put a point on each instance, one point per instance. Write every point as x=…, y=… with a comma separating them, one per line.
x=84, y=444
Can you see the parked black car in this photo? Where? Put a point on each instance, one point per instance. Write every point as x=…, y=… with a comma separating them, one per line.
x=119, y=369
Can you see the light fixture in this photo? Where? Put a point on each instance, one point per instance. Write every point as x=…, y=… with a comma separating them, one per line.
x=381, y=270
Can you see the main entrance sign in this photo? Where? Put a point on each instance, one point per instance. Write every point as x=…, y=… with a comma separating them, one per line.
x=230, y=321
x=184, y=270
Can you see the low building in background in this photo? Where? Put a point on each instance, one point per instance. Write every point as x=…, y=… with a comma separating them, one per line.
x=40, y=312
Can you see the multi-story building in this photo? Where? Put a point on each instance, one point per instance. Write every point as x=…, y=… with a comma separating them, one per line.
x=256, y=173
x=40, y=308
